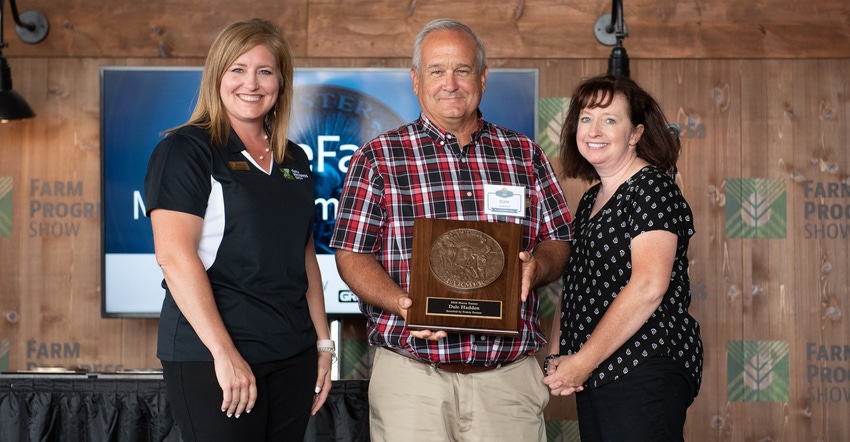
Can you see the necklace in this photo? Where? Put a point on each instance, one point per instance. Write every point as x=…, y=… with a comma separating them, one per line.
x=263, y=157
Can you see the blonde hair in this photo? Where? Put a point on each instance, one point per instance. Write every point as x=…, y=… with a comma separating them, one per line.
x=233, y=41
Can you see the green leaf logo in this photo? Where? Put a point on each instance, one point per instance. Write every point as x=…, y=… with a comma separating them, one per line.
x=550, y=297
x=5, y=206
x=550, y=118
x=561, y=431
x=755, y=208
x=357, y=358
x=757, y=371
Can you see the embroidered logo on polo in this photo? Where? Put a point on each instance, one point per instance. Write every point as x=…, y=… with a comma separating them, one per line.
x=5, y=206
x=292, y=174
x=755, y=208
x=757, y=371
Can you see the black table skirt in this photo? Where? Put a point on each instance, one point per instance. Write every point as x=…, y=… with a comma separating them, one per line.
x=134, y=407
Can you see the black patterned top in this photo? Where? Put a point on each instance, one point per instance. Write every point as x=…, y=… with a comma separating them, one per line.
x=600, y=266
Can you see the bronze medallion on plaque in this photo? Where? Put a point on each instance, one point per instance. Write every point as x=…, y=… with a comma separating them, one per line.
x=465, y=276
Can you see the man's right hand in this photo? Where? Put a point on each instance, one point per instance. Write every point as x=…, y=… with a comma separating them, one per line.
x=404, y=303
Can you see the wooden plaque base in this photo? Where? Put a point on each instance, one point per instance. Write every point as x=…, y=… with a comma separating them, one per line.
x=457, y=281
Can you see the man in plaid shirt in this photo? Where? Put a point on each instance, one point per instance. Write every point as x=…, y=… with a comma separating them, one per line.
x=431, y=385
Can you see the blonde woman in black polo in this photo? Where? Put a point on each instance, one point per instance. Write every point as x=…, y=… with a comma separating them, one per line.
x=243, y=336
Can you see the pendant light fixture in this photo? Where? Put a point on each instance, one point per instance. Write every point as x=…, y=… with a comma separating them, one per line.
x=610, y=30
x=31, y=27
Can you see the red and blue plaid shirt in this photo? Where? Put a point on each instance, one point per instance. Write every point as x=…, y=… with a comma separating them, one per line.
x=419, y=171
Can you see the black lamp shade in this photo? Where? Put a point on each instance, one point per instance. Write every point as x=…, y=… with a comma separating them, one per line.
x=618, y=62
x=12, y=105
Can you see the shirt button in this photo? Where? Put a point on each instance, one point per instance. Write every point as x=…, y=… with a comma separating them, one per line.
x=463, y=160
x=468, y=193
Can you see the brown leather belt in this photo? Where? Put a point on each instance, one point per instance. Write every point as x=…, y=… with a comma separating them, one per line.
x=454, y=367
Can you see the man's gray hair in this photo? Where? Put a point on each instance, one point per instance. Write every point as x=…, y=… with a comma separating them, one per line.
x=448, y=24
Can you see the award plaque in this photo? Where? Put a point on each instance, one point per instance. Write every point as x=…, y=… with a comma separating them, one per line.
x=465, y=276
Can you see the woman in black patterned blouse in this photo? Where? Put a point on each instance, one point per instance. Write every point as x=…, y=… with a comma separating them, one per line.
x=624, y=341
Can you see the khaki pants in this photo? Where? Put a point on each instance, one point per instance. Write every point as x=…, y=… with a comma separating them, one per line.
x=412, y=401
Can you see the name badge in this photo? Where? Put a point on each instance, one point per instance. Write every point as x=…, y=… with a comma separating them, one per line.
x=504, y=200
x=239, y=165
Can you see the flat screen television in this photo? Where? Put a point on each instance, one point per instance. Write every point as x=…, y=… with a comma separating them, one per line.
x=335, y=111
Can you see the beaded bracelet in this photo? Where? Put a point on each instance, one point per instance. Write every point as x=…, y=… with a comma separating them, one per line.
x=549, y=359
x=327, y=346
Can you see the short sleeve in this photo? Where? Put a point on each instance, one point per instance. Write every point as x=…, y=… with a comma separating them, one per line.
x=658, y=204
x=179, y=176
x=360, y=216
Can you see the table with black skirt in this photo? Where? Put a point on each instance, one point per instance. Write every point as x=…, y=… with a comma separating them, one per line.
x=134, y=407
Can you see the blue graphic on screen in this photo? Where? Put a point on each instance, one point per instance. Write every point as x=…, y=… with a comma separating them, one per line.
x=137, y=106
x=331, y=121
x=334, y=112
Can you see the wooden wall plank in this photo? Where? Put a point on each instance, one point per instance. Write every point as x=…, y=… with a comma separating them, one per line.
x=804, y=113
x=779, y=279
x=754, y=252
x=128, y=28
x=513, y=29
x=711, y=142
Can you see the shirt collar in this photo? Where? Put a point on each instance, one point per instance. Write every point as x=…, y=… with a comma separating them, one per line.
x=438, y=134
x=234, y=143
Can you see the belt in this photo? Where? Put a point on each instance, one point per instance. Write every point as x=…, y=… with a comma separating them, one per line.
x=454, y=367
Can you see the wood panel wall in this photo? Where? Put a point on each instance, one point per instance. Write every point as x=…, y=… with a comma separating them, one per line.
x=761, y=89
x=545, y=29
